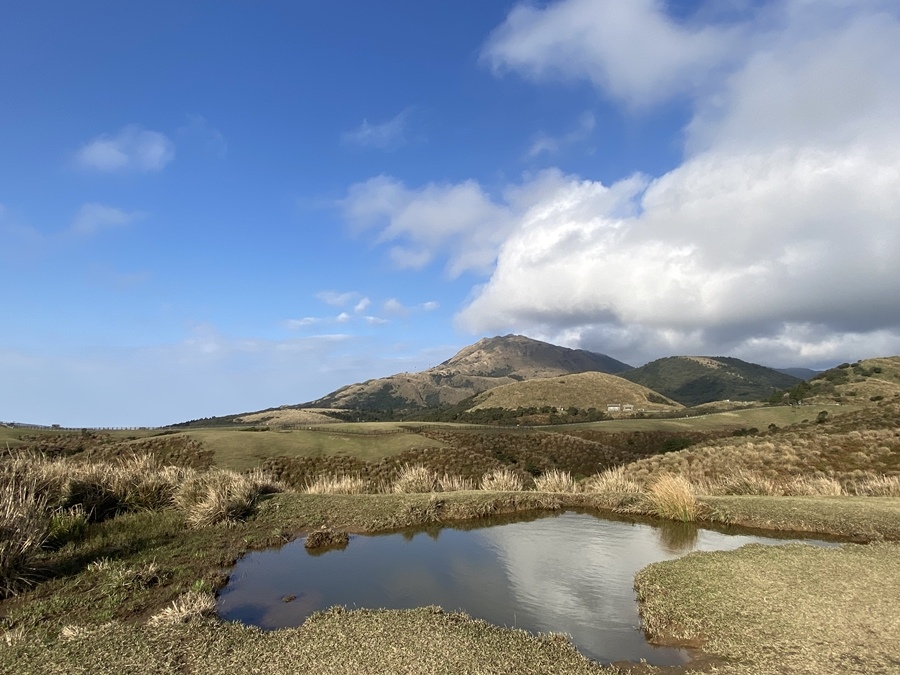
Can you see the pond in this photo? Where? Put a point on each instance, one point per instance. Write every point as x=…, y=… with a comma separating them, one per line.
x=571, y=573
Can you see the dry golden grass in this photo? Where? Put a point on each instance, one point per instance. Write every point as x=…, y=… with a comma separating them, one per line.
x=878, y=486
x=24, y=527
x=336, y=485
x=191, y=606
x=673, y=498
x=581, y=390
x=502, y=480
x=414, y=479
x=452, y=483
x=555, y=481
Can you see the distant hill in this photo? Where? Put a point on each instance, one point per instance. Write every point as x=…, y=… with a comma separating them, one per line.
x=868, y=380
x=694, y=380
x=488, y=363
x=581, y=390
x=802, y=373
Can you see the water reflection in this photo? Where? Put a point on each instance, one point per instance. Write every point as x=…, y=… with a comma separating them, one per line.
x=571, y=573
x=677, y=538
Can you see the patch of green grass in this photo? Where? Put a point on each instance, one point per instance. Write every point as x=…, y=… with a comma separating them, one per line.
x=241, y=451
x=785, y=609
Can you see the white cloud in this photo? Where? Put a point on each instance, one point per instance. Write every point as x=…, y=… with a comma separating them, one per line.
x=632, y=50
x=362, y=305
x=394, y=306
x=93, y=218
x=459, y=218
x=430, y=306
x=385, y=136
x=294, y=324
x=343, y=317
x=338, y=298
x=132, y=148
x=775, y=239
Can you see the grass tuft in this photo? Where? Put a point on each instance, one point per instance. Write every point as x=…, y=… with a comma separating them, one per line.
x=555, y=480
x=673, y=498
x=502, y=480
x=415, y=479
x=190, y=606
x=24, y=528
x=336, y=485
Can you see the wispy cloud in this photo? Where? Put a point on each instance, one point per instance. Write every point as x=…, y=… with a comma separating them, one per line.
x=132, y=148
x=544, y=143
x=388, y=135
x=198, y=130
x=93, y=218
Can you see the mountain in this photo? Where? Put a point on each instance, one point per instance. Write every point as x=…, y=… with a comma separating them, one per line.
x=581, y=390
x=488, y=363
x=693, y=380
x=802, y=373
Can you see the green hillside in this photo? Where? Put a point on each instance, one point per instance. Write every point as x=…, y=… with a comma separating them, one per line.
x=694, y=380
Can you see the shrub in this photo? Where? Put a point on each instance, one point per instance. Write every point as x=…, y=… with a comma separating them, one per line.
x=502, y=480
x=555, y=481
x=673, y=498
x=24, y=527
x=415, y=478
x=326, y=538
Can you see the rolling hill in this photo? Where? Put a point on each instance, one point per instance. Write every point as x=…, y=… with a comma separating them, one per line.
x=694, y=380
x=488, y=363
x=581, y=390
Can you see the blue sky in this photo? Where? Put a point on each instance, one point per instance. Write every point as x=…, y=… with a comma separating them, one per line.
x=215, y=207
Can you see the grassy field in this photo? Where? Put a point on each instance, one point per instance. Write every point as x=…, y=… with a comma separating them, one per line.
x=242, y=450
x=747, y=418
x=785, y=609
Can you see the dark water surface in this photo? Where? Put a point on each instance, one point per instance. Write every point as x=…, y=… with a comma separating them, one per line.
x=571, y=573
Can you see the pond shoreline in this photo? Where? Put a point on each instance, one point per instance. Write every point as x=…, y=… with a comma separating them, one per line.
x=200, y=558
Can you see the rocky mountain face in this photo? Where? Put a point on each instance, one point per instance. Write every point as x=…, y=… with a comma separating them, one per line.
x=488, y=363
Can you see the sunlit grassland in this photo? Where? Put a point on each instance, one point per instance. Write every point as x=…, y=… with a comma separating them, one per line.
x=241, y=449
x=747, y=418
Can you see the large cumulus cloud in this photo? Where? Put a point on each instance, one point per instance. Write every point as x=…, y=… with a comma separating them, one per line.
x=776, y=239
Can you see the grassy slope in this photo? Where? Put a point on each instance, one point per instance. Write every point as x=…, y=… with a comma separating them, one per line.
x=583, y=390
x=696, y=380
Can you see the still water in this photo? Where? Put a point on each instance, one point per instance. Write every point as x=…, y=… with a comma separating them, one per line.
x=571, y=573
